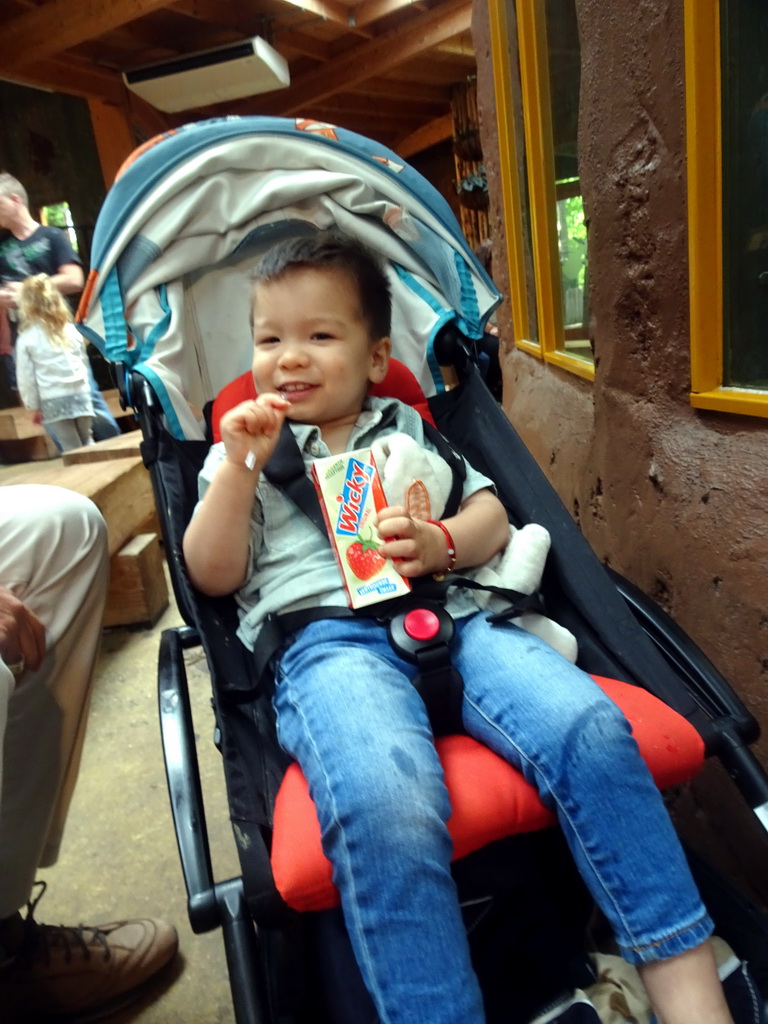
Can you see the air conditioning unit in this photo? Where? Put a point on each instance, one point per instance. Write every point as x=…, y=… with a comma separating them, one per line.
x=229, y=72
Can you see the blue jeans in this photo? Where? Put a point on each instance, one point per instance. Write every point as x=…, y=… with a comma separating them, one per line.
x=346, y=711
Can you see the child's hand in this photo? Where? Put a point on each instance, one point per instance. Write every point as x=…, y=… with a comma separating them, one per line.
x=251, y=430
x=416, y=547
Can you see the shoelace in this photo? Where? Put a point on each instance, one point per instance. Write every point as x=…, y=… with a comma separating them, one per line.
x=40, y=939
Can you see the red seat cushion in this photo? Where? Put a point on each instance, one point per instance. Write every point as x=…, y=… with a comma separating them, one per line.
x=489, y=798
x=398, y=383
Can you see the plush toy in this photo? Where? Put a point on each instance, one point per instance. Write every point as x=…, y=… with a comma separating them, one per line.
x=420, y=480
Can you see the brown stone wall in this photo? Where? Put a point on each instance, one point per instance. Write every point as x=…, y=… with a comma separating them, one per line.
x=672, y=497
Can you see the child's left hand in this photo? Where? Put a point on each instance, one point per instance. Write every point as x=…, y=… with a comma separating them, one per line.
x=415, y=546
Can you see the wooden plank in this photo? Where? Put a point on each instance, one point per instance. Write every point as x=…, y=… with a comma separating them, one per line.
x=328, y=9
x=7, y=427
x=121, y=490
x=70, y=77
x=372, y=10
x=60, y=25
x=39, y=448
x=374, y=57
x=428, y=135
x=16, y=422
x=114, y=135
x=138, y=592
x=123, y=446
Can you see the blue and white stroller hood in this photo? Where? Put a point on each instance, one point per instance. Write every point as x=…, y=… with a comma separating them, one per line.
x=193, y=210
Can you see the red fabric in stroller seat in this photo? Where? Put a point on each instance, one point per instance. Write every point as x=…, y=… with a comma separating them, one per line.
x=489, y=798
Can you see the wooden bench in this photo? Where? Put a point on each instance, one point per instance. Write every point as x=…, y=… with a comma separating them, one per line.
x=124, y=446
x=122, y=491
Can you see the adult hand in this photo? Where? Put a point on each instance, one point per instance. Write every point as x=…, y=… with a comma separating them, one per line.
x=22, y=634
x=9, y=293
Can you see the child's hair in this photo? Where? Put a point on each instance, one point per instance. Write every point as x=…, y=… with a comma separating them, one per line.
x=41, y=304
x=335, y=251
x=10, y=186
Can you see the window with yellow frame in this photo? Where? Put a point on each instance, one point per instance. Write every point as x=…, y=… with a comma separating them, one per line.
x=727, y=139
x=537, y=68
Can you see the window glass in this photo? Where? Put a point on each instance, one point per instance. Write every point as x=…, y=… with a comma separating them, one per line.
x=564, y=63
x=744, y=57
x=59, y=215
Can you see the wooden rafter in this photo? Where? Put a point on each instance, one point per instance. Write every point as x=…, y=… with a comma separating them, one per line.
x=332, y=10
x=224, y=15
x=59, y=25
x=67, y=77
x=372, y=10
x=302, y=43
x=427, y=135
x=375, y=57
x=385, y=68
x=337, y=107
x=393, y=89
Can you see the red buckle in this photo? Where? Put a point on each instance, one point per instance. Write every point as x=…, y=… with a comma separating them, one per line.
x=421, y=624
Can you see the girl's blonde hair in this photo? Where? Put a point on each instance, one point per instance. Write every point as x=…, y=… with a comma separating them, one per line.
x=41, y=304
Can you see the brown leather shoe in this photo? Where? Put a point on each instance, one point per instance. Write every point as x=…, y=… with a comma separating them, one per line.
x=82, y=973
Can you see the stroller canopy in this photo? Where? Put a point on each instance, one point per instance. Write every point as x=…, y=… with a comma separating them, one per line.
x=191, y=211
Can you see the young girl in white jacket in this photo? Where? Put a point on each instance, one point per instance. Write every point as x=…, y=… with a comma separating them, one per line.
x=51, y=365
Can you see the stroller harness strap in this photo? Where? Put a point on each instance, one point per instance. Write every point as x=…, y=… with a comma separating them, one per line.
x=286, y=470
x=438, y=683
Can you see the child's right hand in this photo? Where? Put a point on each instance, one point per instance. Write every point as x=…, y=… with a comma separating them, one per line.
x=251, y=430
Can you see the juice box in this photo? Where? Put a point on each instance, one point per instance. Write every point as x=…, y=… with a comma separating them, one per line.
x=350, y=495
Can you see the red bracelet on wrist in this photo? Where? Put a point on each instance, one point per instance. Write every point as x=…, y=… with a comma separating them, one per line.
x=449, y=542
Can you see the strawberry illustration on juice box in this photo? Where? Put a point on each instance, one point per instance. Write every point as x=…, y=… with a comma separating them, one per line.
x=350, y=495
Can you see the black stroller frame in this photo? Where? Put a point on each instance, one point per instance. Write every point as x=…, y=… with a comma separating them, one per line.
x=652, y=648
x=622, y=634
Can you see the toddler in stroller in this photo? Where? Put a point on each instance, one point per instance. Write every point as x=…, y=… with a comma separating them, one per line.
x=345, y=706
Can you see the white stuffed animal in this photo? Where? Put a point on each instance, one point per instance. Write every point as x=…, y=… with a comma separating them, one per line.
x=400, y=461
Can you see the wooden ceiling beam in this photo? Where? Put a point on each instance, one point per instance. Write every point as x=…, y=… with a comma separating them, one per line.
x=461, y=47
x=335, y=108
x=302, y=43
x=226, y=16
x=434, y=72
x=72, y=79
x=375, y=57
x=276, y=33
x=427, y=135
x=372, y=10
x=329, y=10
x=394, y=89
x=59, y=25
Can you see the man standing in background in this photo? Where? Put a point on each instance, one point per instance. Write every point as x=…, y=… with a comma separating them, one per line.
x=28, y=248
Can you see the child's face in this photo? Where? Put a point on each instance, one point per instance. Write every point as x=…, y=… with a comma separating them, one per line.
x=313, y=347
